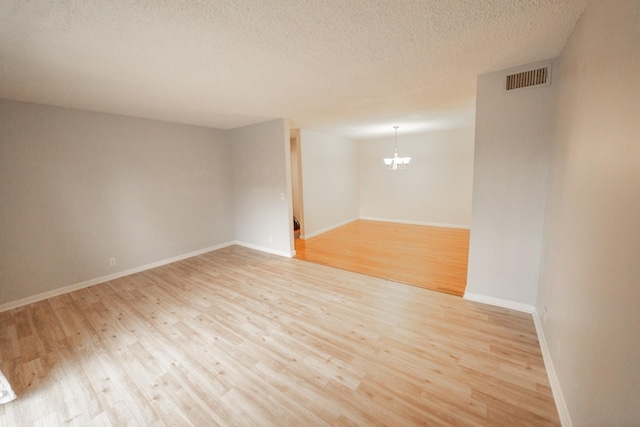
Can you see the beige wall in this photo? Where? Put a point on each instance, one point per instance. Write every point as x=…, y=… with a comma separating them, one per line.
x=296, y=174
x=513, y=137
x=77, y=188
x=590, y=275
x=261, y=168
x=329, y=181
x=434, y=189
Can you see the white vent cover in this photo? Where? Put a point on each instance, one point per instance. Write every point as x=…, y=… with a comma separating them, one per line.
x=537, y=77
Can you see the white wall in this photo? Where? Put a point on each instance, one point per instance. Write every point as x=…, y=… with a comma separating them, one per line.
x=590, y=275
x=261, y=162
x=329, y=181
x=434, y=189
x=296, y=174
x=513, y=134
x=77, y=188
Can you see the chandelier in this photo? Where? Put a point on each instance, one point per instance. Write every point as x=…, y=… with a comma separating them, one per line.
x=395, y=162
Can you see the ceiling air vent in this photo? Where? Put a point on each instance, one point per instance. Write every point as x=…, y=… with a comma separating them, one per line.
x=538, y=77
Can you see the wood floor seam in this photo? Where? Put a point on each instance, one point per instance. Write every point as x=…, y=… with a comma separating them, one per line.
x=240, y=337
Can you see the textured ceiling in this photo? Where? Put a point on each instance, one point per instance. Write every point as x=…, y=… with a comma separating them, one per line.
x=350, y=67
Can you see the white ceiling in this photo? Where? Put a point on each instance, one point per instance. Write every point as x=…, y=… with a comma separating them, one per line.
x=349, y=67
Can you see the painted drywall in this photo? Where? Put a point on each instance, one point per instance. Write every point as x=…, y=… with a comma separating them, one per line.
x=78, y=188
x=590, y=274
x=263, y=211
x=512, y=143
x=329, y=181
x=296, y=175
x=434, y=189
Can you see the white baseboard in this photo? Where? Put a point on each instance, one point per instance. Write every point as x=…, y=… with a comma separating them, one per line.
x=324, y=230
x=561, y=404
x=430, y=224
x=511, y=305
x=289, y=254
x=102, y=279
x=398, y=221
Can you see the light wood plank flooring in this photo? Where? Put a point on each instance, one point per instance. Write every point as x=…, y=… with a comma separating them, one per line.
x=430, y=257
x=239, y=337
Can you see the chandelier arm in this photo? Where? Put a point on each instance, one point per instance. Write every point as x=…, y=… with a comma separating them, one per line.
x=396, y=128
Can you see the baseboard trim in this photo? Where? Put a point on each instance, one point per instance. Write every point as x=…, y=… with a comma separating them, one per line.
x=558, y=397
x=430, y=224
x=289, y=254
x=102, y=279
x=324, y=230
x=511, y=305
x=397, y=221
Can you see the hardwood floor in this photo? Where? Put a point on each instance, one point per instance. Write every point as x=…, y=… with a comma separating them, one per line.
x=430, y=257
x=239, y=337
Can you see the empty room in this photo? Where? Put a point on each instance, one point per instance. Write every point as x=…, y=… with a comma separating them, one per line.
x=153, y=156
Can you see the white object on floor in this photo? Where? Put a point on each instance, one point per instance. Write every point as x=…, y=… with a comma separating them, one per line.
x=6, y=392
